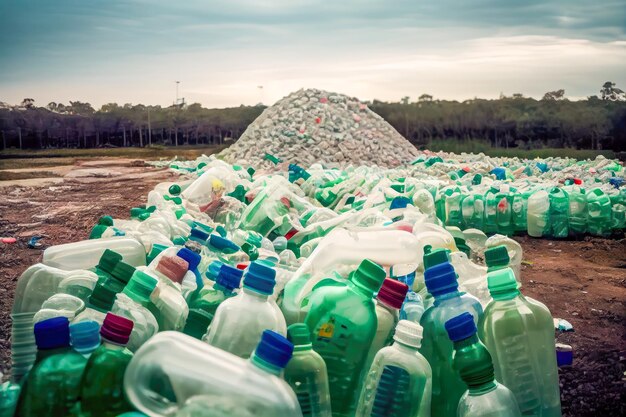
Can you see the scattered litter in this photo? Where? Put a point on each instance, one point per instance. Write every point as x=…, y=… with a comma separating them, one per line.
x=564, y=354
x=34, y=243
x=8, y=240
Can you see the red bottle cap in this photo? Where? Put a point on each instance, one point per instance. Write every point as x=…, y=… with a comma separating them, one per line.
x=116, y=329
x=392, y=293
x=578, y=181
x=173, y=267
x=242, y=265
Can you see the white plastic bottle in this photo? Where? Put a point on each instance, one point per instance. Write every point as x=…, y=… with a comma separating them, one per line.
x=240, y=321
x=86, y=253
x=176, y=375
x=167, y=297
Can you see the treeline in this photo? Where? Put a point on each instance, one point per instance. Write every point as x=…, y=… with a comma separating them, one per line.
x=599, y=122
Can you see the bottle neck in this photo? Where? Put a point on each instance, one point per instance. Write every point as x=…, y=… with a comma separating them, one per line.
x=505, y=295
x=46, y=353
x=404, y=347
x=112, y=345
x=302, y=348
x=359, y=288
x=447, y=295
x=474, y=364
x=386, y=306
x=254, y=294
x=265, y=366
x=226, y=291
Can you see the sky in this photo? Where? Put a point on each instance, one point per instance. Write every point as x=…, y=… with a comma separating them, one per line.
x=224, y=51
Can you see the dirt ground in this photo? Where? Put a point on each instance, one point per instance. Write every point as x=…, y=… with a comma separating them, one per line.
x=583, y=281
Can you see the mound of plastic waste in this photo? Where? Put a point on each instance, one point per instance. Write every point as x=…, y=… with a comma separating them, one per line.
x=314, y=125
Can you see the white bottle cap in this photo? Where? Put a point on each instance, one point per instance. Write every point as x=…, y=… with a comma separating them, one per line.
x=408, y=333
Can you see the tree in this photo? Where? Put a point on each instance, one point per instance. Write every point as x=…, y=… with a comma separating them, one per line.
x=612, y=93
x=28, y=103
x=405, y=100
x=425, y=97
x=554, y=95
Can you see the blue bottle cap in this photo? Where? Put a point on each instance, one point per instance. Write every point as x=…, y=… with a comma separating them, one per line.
x=192, y=258
x=199, y=235
x=274, y=349
x=260, y=278
x=461, y=327
x=213, y=270
x=400, y=202
x=229, y=277
x=441, y=279
x=222, y=243
x=85, y=336
x=52, y=333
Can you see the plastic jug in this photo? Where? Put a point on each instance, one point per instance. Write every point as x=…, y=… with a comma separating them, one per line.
x=342, y=321
x=577, y=210
x=85, y=254
x=559, y=212
x=538, y=214
x=133, y=303
x=389, y=300
x=101, y=388
x=306, y=374
x=345, y=249
x=436, y=346
x=174, y=374
x=519, y=332
x=485, y=396
x=59, y=305
x=399, y=382
x=599, y=212
x=53, y=384
x=239, y=321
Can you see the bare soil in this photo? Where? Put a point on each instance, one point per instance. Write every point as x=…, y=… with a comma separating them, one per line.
x=582, y=281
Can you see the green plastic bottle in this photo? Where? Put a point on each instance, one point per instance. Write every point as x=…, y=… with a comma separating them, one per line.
x=52, y=387
x=448, y=387
x=519, y=333
x=484, y=397
x=399, y=382
x=342, y=321
x=306, y=374
x=102, y=385
x=559, y=212
x=209, y=298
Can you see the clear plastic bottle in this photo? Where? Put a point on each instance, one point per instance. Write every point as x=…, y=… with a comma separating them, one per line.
x=240, y=321
x=306, y=374
x=60, y=305
x=85, y=254
x=559, y=212
x=176, y=375
x=413, y=308
x=101, y=388
x=210, y=297
x=538, y=214
x=485, y=397
x=133, y=303
x=167, y=297
x=53, y=384
x=519, y=333
x=436, y=347
x=389, y=300
x=399, y=382
x=342, y=321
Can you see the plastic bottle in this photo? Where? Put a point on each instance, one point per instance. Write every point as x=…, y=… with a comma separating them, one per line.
x=210, y=297
x=306, y=374
x=538, y=214
x=559, y=212
x=436, y=346
x=176, y=375
x=399, y=382
x=519, y=332
x=133, y=303
x=53, y=384
x=413, y=307
x=485, y=396
x=85, y=254
x=240, y=321
x=85, y=337
x=102, y=383
x=599, y=212
x=514, y=249
x=172, y=309
x=389, y=300
x=59, y=305
x=342, y=321
x=9, y=395
x=577, y=210
x=100, y=302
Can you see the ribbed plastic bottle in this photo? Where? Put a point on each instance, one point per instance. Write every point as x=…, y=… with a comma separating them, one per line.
x=52, y=386
x=436, y=346
x=559, y=212
x=519, y=333
x=577, y=210
x=389, y=300
x=538, y=214
x=599, y=212
x=342, y=321
x=167, y=297
x=399, y=382
x=176, y=375
x=134, y=304
x=484, y=396
x=85, y=337
x=306, y=374
x=239, y=322
x=101, y=390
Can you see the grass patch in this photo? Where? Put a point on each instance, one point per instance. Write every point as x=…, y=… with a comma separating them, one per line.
x=478, y=146
x=151, y=152
x=14, y=176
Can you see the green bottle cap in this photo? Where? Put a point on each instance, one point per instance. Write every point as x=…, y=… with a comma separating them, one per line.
x=369, y=276
x=97, y=231
x=201, y=165
x=122, y=271
x=135, y=212
x=140, y=286
x=502, y=284
x=497, y=257
x=299, y=334
x=108, y=260
x=461, y=245
x=155, y=250
x=174, y=189
x=197, y=323
x=151, y=209
x=179, y=240
x=103, y=296
x=106, y=221
x=435, y=257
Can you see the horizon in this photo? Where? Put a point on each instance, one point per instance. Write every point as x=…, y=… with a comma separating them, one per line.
x=133, y=52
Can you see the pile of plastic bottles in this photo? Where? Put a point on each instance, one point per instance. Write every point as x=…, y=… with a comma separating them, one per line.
x=302, y=292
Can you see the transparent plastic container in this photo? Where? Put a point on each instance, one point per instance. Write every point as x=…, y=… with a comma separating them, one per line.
x=86, y=254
